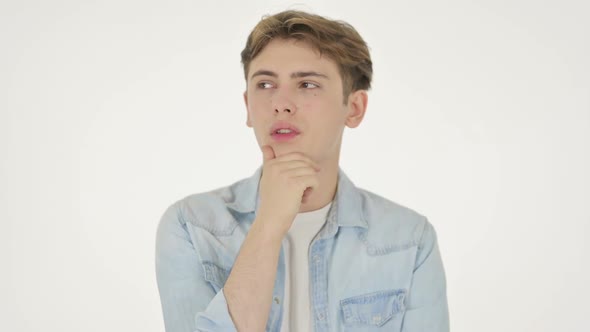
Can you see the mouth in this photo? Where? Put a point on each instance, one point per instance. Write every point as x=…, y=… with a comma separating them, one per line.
x=283, y=131
x=284, y=136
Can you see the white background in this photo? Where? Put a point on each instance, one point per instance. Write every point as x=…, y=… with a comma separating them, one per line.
x=479, y=119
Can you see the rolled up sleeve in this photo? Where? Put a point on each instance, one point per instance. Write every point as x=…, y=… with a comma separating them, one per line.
x=189, y=303
x=426, y=306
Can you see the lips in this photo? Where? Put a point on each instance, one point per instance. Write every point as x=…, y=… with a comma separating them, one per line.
x=284, y=125
x=284, y=132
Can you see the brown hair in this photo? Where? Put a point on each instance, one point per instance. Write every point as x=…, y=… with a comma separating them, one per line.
x=337, y=40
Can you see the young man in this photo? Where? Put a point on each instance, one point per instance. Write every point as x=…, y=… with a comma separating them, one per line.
x=297, y=247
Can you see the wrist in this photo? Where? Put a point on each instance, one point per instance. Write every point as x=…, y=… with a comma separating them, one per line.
x=272, y=227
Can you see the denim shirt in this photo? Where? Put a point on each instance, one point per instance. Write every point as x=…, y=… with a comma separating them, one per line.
x=374, y=265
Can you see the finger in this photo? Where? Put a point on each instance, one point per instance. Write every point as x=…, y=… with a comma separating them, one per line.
x=308, y=181
x=298, y=156
x=298, y=171
x=306, y=194
x=267, y=153
x=291, y=164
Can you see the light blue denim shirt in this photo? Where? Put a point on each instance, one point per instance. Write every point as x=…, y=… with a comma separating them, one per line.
x=374, y=265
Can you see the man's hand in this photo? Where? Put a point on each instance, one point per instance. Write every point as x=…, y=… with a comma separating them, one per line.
x=248, y=290
x=285, y=183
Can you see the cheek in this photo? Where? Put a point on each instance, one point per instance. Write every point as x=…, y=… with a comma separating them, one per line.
x=313, y=103
x=256, y=109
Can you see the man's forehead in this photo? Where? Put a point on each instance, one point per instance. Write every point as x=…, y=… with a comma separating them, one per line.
x=280, y=49
x=282, y=69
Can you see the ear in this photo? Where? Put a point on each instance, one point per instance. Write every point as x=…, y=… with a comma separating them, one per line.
x=357, y=106
x=248, y=122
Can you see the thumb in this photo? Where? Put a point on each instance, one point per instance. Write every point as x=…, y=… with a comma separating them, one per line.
x=267, y=153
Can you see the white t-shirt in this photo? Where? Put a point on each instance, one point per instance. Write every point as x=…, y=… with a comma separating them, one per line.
x=297, y=304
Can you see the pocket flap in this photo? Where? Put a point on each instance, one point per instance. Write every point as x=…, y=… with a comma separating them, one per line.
x=373, y=308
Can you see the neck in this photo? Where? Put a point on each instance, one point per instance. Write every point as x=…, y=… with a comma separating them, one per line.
x=324, y=194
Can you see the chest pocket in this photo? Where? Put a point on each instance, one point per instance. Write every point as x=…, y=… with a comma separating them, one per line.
x=215, y=275
x=377, y=311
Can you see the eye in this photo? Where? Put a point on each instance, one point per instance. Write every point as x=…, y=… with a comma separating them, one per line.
x=264, y=85
x=309, y=85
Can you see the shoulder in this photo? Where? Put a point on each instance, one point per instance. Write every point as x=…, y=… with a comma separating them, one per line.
x=207, y=210
x=391, y=225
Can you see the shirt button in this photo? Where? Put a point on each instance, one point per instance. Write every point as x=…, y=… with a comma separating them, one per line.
x=321, y=316
x=277, y=301
x=316, y=259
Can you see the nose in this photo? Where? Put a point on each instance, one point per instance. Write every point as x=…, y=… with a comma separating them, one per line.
x=288, y=110
x=282, y=104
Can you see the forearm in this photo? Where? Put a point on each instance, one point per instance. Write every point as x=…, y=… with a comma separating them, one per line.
x=249, y=287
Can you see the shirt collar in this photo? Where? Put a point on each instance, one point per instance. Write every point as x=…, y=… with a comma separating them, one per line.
x=346, y=210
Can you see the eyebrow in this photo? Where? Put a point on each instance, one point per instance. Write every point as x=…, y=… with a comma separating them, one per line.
x=297, y=74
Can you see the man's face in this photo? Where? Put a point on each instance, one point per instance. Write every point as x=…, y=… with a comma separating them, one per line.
x=290, y=84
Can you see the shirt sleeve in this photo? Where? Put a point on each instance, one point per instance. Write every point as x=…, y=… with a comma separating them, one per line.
x=189, y=303
x=426, y=305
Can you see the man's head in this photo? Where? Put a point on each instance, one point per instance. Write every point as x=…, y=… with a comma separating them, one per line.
x=336, y=40
x=309, y=74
